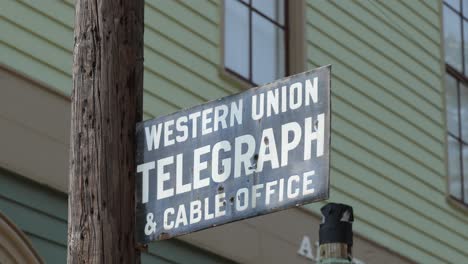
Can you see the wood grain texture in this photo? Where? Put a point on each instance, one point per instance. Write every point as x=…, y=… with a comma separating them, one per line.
x=106, y=104
x=41, y=213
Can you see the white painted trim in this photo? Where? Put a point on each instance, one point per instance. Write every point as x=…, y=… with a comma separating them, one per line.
x=35, y=131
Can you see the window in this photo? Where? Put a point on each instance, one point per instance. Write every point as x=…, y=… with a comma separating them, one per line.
x=456, y=83
x=256, y=39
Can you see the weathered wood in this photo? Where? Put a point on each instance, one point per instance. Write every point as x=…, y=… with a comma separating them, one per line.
x=106, y=104
x=335, y=251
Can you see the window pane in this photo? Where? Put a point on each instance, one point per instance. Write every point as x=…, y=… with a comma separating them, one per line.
x=236, y=37
x=273, y=9
x=454, y=167
x=465, y=7
x=452, y=39
x=464, y=111
x=452, y=104
x=268, y=51
x=465, y=44
x=454, y=3
x=465, y=171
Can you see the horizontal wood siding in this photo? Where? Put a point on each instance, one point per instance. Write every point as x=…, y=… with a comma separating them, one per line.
x=182, y=49
x=42, y=214
x=182, y=54
x=388, y=134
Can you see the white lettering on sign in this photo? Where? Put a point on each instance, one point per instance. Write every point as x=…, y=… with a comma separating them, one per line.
x=208, y=120
x=220, y=174
x=198, y=166
x=295, y=94
x=242, y=161
x=163, y=177
x=145, y=168
x=245, y=198
x=262, y=150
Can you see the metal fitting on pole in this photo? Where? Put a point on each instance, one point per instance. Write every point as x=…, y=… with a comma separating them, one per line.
x=336, y=234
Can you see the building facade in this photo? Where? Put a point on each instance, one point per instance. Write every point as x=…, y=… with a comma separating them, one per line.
x=392, y=120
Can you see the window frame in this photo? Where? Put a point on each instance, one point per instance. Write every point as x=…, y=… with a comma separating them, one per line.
x=460, y=78
x=294, y=36
x=462, y=19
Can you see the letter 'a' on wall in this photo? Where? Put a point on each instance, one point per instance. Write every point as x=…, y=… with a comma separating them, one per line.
x=256, y=152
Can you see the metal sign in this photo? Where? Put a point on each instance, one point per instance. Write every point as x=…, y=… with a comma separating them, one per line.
x=249, y=154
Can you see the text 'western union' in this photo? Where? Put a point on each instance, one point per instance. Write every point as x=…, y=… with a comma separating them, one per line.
x=234, y=158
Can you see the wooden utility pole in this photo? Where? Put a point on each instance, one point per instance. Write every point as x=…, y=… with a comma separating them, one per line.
x=336, y=234
x=106, y=104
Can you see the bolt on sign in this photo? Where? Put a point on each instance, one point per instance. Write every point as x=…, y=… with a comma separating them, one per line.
x=256, y=152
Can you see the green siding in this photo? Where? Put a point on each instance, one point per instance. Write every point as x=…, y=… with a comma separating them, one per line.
x=182, y=49
x=388, y=134
x=42, y=214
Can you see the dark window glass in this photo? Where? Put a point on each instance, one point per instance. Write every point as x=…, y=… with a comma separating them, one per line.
x=464, y=112
x=236, y=38
x=457, y=128
x=454, y=168
x=456, y=91
x=465, y=172
x=267, y=50
x=451, y=88
x=255, y=39
x=452, y=38
x=465, y=45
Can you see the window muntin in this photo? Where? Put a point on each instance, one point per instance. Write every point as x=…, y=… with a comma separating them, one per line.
x=268, y=51
x=456, y=84
x=455, y=4
x=272, y=9
x=255, y=40
x=457, y=133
